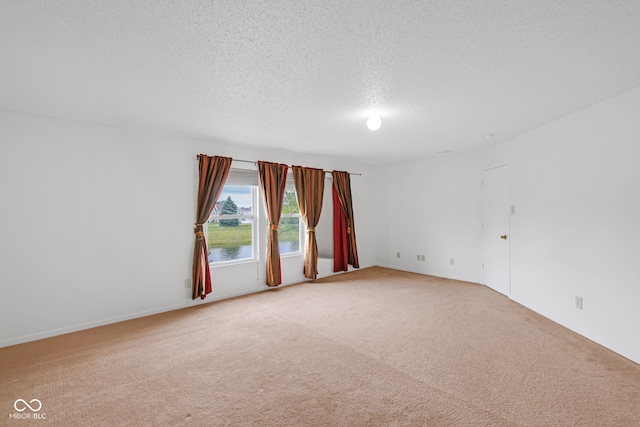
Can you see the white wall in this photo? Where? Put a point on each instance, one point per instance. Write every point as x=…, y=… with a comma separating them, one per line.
x=431, y=207
x=575, y=183
x=97, y=224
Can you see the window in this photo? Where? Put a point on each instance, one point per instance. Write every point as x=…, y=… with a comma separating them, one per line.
x=324, y=229
x=231, y=229
x=289, y=228
x=234, y=226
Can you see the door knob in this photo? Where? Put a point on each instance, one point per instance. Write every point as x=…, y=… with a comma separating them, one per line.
x=504, y=237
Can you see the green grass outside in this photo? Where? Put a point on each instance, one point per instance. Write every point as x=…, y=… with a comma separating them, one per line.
x=228, y=237
x=233, y=237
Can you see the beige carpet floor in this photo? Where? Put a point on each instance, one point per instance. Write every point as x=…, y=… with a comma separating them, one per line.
x=374, y=347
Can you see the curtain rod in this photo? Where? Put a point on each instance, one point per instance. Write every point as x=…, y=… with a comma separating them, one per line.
x=255, y=163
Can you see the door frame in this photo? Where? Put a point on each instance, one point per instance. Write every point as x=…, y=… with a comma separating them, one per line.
x=482, y=218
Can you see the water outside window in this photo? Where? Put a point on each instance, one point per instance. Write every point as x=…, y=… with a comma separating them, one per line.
x=289, y=235
x=230, y=242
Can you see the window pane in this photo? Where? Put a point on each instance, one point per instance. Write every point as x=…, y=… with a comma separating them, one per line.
x=324, y=228
x=230, y=242
x=231, y=239
x=234, y=200
x=290, y=203
x=289, y=235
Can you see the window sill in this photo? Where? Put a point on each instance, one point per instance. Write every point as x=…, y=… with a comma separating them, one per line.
x=291, y=255
x=232, y=263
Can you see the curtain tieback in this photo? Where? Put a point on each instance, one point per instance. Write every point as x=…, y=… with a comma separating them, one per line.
x=348, y=230
x=199, y=232
x=311, y=229
x=273, y=227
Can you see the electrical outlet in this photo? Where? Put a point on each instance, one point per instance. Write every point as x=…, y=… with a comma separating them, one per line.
x=513, y=209
x=579, y=302
x=418, y=257
x=397, y=254
x=187, y=283
x=452, y=261
x=421, y=257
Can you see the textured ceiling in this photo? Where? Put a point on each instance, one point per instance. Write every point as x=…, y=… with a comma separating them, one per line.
x=302, y=75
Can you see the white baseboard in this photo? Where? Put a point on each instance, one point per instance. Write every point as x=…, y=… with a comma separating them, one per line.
x=426, y=273
x=88, y=325
x=188, y=303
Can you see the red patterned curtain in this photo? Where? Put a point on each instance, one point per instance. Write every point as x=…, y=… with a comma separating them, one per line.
x=212, y=174
x=273, y=179
x=342, y=186
x=340, y=236
x=309, y=189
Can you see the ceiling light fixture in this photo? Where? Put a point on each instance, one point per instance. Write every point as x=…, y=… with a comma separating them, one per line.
x=374, y=122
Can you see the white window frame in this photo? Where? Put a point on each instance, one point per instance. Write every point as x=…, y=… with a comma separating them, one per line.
x=254, y=228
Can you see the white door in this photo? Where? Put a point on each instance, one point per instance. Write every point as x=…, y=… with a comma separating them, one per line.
x=495, y=229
